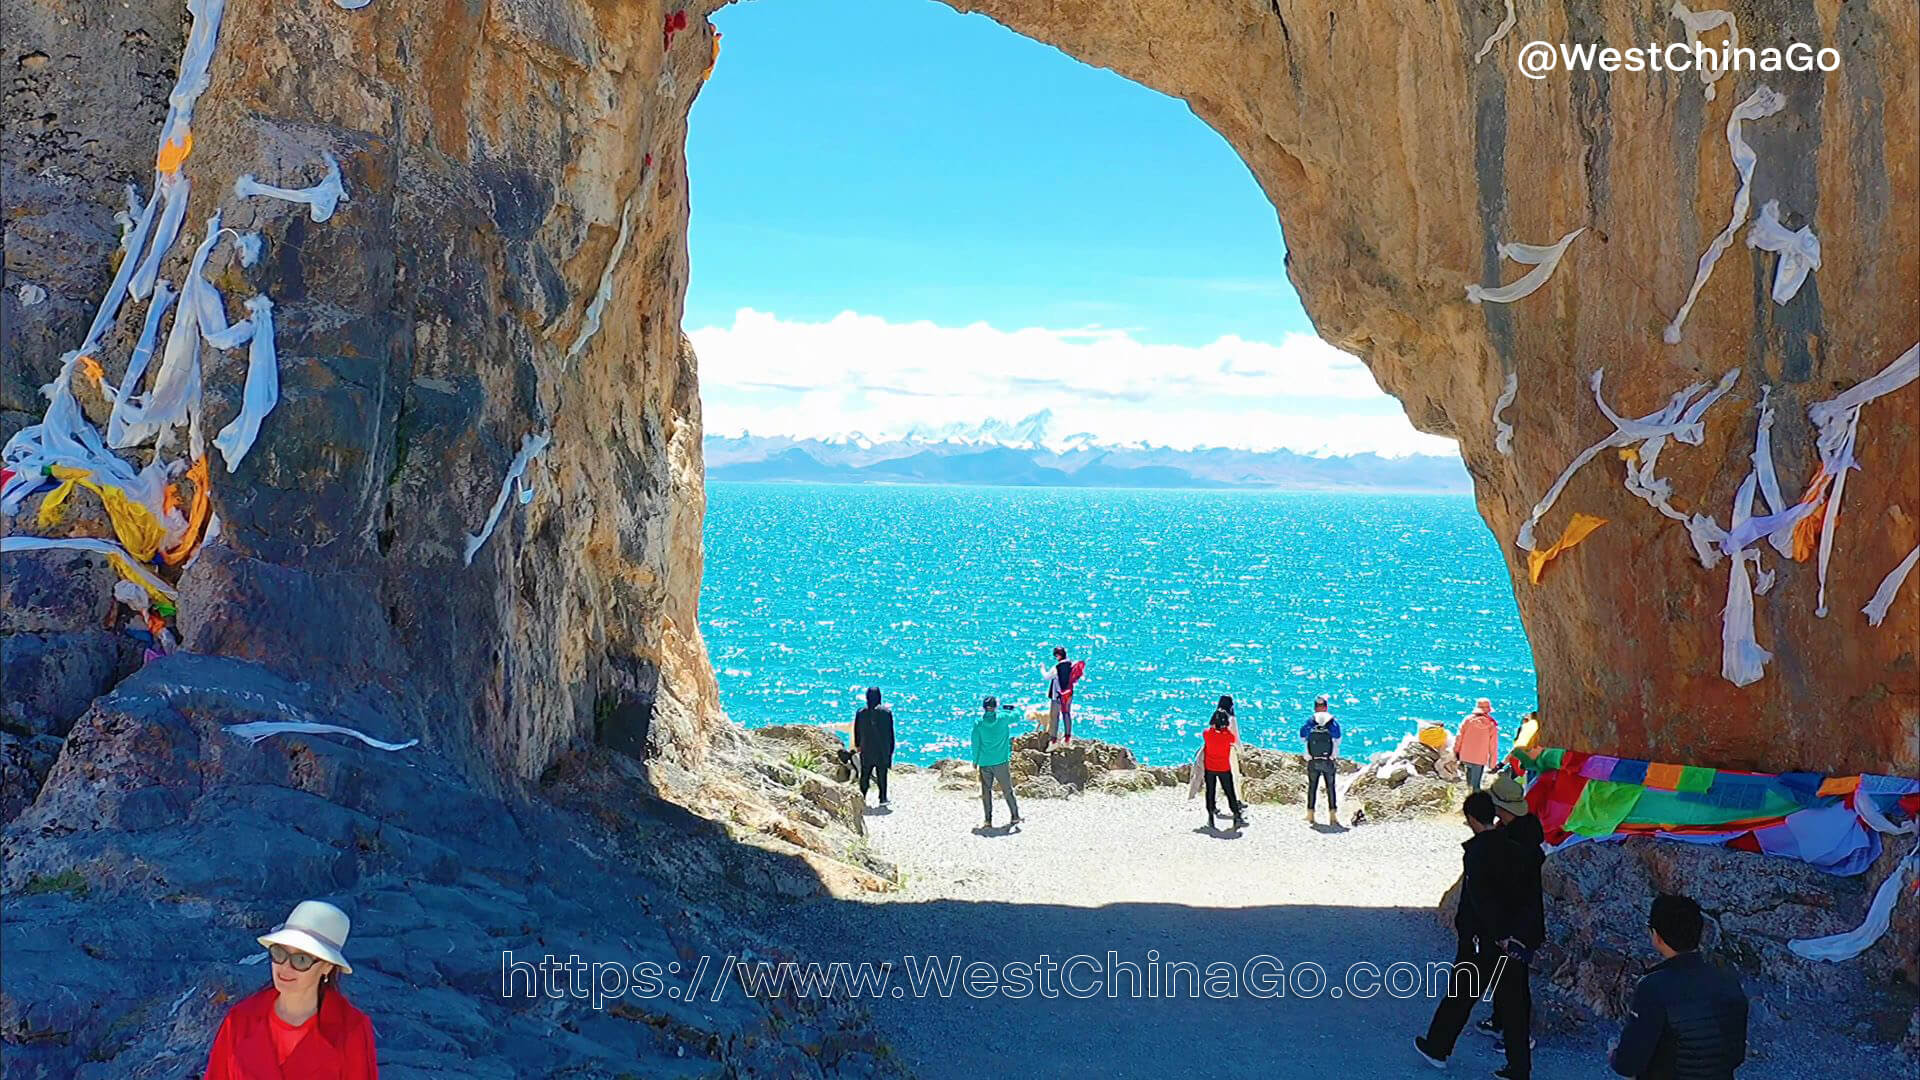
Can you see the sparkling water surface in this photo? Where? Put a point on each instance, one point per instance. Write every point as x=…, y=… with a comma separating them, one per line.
x=1395, y=606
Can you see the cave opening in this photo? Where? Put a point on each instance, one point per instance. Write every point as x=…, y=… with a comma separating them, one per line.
x=944, y=275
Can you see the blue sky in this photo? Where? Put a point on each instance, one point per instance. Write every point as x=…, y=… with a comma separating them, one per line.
x=873, y=178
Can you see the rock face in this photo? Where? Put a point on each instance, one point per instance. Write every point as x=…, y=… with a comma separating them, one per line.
x=163, y=844
x=496, y=155
x=1399, y=165
x=511, y=260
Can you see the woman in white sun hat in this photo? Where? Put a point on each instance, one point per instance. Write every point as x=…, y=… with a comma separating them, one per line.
x=301, y=1027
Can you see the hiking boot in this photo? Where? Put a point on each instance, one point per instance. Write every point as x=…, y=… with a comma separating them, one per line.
x=1333, y=818
x=989, y=823
x=1239, y=822
x=1015, y=820
x=1310, y=818
x=1500, y=1044
x=1420, y=1047
x=1211, y=824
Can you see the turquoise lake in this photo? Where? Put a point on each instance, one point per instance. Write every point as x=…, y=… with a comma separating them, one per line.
x=1395, y=606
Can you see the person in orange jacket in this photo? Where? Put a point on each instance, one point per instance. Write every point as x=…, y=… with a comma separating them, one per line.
x=1477, y=746
x=301, y=1027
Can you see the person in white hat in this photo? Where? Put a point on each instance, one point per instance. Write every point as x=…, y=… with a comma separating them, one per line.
x=301, y=1027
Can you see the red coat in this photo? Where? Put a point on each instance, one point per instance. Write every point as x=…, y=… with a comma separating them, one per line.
x=340, y=1046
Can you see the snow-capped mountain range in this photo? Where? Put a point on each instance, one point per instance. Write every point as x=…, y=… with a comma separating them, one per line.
x=1021, y=453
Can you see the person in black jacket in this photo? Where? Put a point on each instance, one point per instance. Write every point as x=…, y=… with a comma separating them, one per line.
x=1689, y=1018
x=1521, y=825
x=1492, y=924
x=873, y=743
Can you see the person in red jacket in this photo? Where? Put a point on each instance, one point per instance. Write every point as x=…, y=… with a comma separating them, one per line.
x=301, y=1027
x=1217, y=758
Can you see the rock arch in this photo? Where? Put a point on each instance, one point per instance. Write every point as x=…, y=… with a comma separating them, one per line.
x=496, y=152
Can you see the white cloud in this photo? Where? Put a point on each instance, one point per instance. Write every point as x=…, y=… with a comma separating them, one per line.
x=862, y=373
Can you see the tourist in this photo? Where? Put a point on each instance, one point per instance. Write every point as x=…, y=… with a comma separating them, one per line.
x=1492, y=944
x=873, y=743
x=1522, y=827
x=1217, y=750
x=300, y=1025
x=1322, y=734
x=1060, y=698
x=1688, y=1017
x=992, y=754
x=1477, y=747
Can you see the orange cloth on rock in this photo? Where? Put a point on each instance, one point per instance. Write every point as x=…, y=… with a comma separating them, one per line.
x=1577, y=530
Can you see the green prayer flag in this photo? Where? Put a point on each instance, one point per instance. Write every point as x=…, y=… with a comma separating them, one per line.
x=1695, y=778
x=1602, y=807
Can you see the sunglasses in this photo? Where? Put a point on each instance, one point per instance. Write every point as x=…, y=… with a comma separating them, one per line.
x=299, y=961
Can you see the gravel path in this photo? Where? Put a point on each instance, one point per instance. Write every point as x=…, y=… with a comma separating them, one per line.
x=1134, y=873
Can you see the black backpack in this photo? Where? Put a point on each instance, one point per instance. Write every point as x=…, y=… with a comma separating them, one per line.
x=1320, y=740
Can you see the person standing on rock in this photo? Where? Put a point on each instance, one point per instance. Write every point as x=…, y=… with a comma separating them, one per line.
x=301, y=1025
x=1322, y=733
x=993, y=755
x=1216, y=755
x=1060, y=697
x=1492, y=945
x=1477, y=747
x=873, y=743
x=1688, y=1018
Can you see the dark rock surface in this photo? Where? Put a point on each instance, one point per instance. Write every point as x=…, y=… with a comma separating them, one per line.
x=162, y=844
x=50, y=679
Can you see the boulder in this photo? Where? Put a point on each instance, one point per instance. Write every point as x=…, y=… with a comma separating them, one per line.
x=1041, y=787
x=1274, y=788
x=54, y=591
x=1027, y=762
x=50, y=678
x=823, y=742
x=1124, y=780
x=1166, y=775
x=1411, y=797
x=1032, y=740
x=25, y=761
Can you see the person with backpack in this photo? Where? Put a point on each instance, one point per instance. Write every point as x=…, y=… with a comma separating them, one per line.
x=1216, y=756
x=1060, y=697
x=1477, y=747
x=873, y=743
x=992, y=755
x=1322, y=734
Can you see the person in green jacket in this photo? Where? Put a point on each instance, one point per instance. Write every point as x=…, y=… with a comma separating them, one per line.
x=992, y=752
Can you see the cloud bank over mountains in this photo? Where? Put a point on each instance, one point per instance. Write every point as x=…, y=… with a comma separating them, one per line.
x=856, y=373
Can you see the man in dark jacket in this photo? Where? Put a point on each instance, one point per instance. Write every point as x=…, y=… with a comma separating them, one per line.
x=1522, y=826
x=1494, y=944
x=873, y=743
x=1689, y=1018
